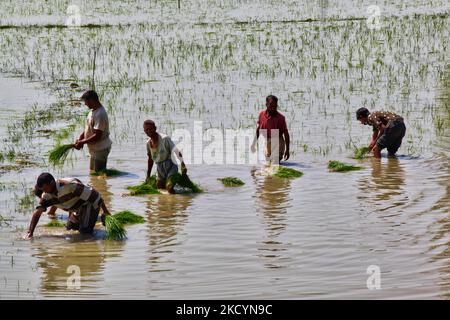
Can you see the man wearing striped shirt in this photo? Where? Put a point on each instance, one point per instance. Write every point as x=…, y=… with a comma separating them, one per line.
x=69, y=194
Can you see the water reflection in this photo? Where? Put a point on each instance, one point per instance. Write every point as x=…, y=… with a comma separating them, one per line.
x=271, y=203
x=100, y=184
x=385, y=187
x=440, y=245
x=166, y=217
x=56, y=257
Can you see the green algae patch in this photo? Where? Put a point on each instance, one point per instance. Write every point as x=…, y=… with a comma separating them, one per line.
x=231, y=182
x=128, y=217
x=337, y=166
x=287, y=173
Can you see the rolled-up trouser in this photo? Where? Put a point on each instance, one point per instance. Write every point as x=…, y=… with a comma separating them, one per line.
x=392, y=136
x=99, y=159
x=165, y=169
x=83, y=219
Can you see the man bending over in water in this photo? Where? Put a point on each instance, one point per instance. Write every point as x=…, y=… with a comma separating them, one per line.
x=388, y=130
x=69, y=194
x=159, y=150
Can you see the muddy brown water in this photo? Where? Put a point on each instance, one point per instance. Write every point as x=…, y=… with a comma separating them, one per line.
x=312, y=237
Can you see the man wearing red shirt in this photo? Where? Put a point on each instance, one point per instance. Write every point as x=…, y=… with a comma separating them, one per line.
x=271, y=120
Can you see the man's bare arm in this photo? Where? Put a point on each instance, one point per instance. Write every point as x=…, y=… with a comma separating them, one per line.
x=287, y=139
x=34, y=221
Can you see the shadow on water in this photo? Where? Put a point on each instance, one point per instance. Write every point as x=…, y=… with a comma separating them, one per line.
x=271, y=203
x=166, y=216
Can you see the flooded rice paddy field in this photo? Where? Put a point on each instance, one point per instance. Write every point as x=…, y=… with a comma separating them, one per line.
x=313, y=237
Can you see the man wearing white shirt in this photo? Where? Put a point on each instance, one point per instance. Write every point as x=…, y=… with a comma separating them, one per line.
x=96, y=132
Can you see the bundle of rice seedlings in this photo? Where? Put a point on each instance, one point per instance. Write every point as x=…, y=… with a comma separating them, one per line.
x=108, y=173
x=361, y=152
x=58, y=155
x=114, y=229
x=128, y=217
x=287, y=173
x=337, y=166
x=54, y=223
x=232, y=182
x=147, y=187
x=183, y=181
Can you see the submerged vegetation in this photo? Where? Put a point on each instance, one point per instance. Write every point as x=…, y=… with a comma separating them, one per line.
x=128, y=217
x=287, y=173
x=337, y=166
x=58, y=154
x=232, y=182
x=55, y=223
x=108, y=173
x=114, y=229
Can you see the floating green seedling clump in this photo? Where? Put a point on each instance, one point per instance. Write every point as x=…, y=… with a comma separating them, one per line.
x=147, y=187
x=287, y=173
x=58, y=155
x=128, y=217
x=183, y=181
x=361, y=152
x=337, y=166
x=232, y=182
x=108, y=173
x=54, y=223
x=114, y=229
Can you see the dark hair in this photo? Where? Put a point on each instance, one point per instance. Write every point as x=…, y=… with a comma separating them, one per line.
x=90, y=95
x=37, y=191
x=362, y=113
x=44, y=178
x=272, y=97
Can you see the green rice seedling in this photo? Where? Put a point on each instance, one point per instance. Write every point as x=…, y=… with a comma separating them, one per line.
x=114, y=229
x=361, y=152
x=108, y=173
x=58, y=155
x=182, y=180
x=232, y=182
x=54, y=223
x=147, y=187
x=337, y=166
x=287, y=173
x=128, y=217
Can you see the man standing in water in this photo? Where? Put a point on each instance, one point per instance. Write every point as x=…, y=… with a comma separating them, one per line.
x=69, y=194
x=96, y=132
x=271, y=120
x=388, y=130
x=159, y=150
